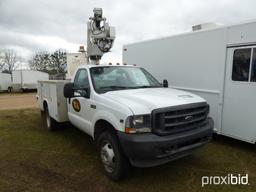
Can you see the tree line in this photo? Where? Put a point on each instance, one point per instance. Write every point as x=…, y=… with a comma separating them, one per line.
x=8, y=60
x=50, y=62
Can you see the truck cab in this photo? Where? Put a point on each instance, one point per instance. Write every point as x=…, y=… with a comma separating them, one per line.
x=134, y=119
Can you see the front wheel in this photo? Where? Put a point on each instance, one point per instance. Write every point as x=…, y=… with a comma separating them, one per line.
x=115, y=164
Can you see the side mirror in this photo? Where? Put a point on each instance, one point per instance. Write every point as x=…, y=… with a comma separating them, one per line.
x=69, y=90
x=165, y=83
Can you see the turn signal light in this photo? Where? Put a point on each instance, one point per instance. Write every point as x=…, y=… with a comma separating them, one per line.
x=130, y=130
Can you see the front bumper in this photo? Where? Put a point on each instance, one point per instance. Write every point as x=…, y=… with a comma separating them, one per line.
x=147, y=150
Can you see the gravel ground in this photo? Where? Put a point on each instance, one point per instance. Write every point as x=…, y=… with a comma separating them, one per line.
x=17, y=101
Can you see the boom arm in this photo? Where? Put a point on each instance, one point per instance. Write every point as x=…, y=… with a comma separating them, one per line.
x=100, y=36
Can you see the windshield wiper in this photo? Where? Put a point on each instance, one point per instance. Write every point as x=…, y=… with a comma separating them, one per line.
x=115, y=87
x=147, y=86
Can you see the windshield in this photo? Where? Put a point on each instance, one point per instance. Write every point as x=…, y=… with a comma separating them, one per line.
x=117, y=77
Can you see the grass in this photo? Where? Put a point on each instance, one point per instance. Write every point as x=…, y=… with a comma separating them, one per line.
x=32, y=159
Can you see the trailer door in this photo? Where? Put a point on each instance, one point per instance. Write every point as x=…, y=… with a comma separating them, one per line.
x=239, y=120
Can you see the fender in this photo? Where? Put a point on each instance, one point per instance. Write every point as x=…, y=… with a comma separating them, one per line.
x=49, y=107
x=110, y=118
x=47, y=102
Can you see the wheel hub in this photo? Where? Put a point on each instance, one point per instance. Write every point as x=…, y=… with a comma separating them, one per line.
x=108, y=157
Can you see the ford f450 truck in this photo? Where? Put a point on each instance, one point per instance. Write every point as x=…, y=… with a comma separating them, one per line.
x=134, y=119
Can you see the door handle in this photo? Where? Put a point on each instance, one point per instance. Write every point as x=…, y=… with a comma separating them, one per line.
x=93, y=106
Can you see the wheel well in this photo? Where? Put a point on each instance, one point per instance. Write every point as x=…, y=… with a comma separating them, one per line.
x=101, y=126
x=45, y=104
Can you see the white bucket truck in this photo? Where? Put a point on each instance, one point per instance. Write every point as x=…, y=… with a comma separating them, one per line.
x=133, y=119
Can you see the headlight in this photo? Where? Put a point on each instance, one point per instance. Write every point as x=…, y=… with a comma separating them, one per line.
x=138, y=124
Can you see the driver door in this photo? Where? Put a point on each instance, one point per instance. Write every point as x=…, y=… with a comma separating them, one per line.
x=79, y=106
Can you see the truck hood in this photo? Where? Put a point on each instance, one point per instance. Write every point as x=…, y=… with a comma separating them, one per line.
x=143, y=101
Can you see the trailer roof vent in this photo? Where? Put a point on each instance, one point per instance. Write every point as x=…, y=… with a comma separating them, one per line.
x=204, y=26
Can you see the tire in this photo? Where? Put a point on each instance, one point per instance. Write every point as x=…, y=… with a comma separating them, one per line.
x=114, y=162
x=215, y=136
x=9, y=89
x=49, y=122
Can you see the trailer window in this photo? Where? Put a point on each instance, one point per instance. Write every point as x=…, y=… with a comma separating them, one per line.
x=253, y=68
x=241, y=64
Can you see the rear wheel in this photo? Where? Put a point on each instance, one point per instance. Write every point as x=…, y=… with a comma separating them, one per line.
x=49, y=122
x=114, y=162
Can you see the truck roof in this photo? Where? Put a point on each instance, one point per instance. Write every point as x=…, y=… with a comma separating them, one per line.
x=105, y=65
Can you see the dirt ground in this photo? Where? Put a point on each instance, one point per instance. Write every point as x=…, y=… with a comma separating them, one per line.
x=17, y=100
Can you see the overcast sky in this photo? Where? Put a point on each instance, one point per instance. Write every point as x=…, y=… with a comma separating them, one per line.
x=29, y=26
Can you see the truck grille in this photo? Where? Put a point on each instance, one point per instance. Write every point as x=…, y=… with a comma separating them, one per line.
x=179, y=118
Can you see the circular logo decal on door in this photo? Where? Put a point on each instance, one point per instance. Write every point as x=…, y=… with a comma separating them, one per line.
x=76, y=105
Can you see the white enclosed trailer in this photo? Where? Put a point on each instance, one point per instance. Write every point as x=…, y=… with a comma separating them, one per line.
x=5, y=81
x=27, y=79
x=218, y=64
